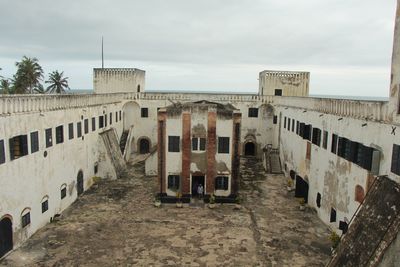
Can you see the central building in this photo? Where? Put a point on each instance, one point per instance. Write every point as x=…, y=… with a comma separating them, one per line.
x=198, y=143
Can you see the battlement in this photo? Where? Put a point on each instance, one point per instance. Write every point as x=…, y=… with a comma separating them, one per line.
x=118, y=80
x=284, y=83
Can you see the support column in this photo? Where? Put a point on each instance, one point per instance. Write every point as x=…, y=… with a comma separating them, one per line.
x=186, y=152
x=211, y=149
x=235, y=152
x=161, y=131
x=394, y=101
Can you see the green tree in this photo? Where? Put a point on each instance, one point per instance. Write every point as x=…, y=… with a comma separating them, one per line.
x=28, y=76
x=5, y=86
x=40, y=89
x=58, y=83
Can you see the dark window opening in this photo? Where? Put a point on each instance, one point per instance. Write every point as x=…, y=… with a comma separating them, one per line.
x=79, y=129
x=395, y=166
x=318, y=201
x=26, y=219
x=275, y=120
x=34, y=142
x=307, y=132
x=301, y=190
x=325, y=140
x=173, y=143
x=110, y=118
x=202, y=144
x=63, y=192
x=93, y=124
x=221, y=183
x=316, y=136
x=2, y=153
x=144, y=146
x=120, y=115
x=59, y=134
x=101, y=122
x=343, y=226
x=18, y=146
x=45, y=206
x=144, y=112
x=86, y=126
x=293, y=125
x=116, y=116
x=302, y=128
x=297, y=127
x=173, y=182
x=96, y=168
x=6, y=236
x=288, y=124
x=249, y=149
x=253, y=112
x=284, y=123
x=79, y=183
x=70, y=131
x=334, y=143
x=333, y=215
x=278, y=92
x=105, y=120
x=49, y=137
x=223, y=145
x=198, y=144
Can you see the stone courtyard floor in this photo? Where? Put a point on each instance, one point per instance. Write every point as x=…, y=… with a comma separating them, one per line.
x=115, y=224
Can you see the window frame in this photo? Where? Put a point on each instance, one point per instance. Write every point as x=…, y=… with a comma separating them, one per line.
x=223, y=145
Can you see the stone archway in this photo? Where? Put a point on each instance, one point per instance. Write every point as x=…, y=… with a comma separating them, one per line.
x=79, y=183
x=6, y=235
x=143, y=145
x=249, y=149
x=301, y=188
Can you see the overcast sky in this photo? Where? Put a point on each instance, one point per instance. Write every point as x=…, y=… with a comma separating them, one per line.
x=207, y=45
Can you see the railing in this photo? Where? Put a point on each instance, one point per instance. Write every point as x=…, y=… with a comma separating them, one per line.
x=359, y=109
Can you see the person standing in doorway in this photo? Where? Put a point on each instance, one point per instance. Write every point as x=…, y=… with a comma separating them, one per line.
x=200, y=191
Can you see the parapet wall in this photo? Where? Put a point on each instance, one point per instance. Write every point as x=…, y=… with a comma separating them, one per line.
x=118, y=80
x=358, y=109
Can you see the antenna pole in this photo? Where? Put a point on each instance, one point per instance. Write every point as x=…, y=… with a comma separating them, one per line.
x=102, y=53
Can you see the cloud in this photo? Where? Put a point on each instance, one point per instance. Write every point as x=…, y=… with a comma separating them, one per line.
x=199, y=36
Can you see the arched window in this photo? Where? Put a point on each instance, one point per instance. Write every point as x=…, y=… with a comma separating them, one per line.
x=45, y=203
x=26, y=217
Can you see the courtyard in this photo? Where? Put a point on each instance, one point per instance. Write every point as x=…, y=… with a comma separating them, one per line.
x=116, y=224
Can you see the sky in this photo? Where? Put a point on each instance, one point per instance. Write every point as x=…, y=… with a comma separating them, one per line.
x=208, y=45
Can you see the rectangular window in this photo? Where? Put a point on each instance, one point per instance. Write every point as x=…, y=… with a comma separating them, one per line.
x=49, y=137
x=34, y=142
x=93, y=124
x=59, y=134
x=223, y=145
x=325, y=140
x=395, y=166
x=302, y=128
x=110, y=118
x=342, y=143
x=297, y=127
x=71, y=131
x=116, y=116
x=63, y=192
x=86, y=125
x=221, y=183
x=105, y=120
x=307, y=132
x=18, y=146
x=333, y=215
x=120, y=115
x=253, y=112
x=316, y=136
x=288, y=124
x=275, y=121
x=101, y=122
x=26, y=219
x=293, y=125
x=198, y=144
x=45, y=206
x=334, y=143
x=173, y=182
x=79, y=129
x=284, y=123
x=195, y=143
x=144, y=112
x=278, y=92
x=202, y=144
x=2, y=153
x=173, y=143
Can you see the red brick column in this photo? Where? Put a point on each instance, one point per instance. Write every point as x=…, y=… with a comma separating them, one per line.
x=186, y=152
x=161, y=131
x=211, y=150
x=237, y=117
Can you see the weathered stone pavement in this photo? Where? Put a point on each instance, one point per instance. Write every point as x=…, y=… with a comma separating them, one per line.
x=115, y=224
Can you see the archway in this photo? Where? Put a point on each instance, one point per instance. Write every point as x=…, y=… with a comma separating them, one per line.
x=131, y=112
x=144, y=146
x=249, y=149
x=6, y=236
x=301, y=188
x=79, y=183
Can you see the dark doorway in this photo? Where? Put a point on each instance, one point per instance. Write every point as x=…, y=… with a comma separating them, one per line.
x=79, y=183
x=196, y=181
x=144, y=146
x=6, y=236
x=301, y=189
x=249, y=149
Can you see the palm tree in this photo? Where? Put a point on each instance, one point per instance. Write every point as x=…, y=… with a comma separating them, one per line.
x=58, y=83
x=40, y=89
x=28, y=75
x=5, y=86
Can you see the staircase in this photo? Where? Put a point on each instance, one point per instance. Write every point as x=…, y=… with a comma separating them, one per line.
x=111, y=143
x=123, y=140
x=273, y=161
